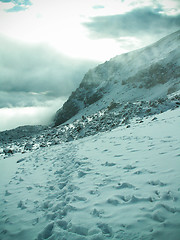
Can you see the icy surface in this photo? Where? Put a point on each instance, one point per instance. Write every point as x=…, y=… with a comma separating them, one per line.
x=122, y=184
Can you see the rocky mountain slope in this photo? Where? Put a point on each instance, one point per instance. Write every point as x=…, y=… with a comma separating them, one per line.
x=28, y=138
x=144, y=74
x=130, y=87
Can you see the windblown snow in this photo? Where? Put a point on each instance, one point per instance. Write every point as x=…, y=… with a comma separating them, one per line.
x=144, y=74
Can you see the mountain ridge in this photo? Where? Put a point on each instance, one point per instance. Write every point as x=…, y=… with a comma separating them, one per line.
x=142, y=69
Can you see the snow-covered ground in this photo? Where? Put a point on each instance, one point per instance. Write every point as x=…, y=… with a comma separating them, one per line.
x=27, y=138
x=121, y=184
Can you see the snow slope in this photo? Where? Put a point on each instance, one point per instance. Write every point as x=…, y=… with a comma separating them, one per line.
x=144, y=74
x=28, y=138
x=122, y=184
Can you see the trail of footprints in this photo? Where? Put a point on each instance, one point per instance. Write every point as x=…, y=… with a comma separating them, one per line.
x=62, y=193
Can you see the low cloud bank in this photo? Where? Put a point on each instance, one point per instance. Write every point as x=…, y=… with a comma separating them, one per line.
x=20, y=116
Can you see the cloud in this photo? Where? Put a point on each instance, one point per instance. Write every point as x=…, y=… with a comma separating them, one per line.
x=139, y=22
x=19, y=5
x=42, y=114
x=15, y=117
x=30, y=75
x=24, y=99
x=35, y=81
x=16, y=8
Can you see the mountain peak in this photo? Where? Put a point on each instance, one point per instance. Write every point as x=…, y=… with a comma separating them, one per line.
x=146, y=73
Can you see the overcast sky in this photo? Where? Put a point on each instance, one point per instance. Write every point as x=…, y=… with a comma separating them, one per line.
x=47, y=46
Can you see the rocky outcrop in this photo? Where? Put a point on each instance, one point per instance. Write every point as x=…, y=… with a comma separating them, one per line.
x=142, y=69
x=29, y=138
x=88, y=93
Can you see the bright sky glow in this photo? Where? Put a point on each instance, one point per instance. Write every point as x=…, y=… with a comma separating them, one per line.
x=59, y=23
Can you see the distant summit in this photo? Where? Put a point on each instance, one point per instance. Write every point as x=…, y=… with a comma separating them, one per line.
x=144, y=74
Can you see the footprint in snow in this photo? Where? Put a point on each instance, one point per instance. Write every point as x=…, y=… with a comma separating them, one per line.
x=117, y=144
x=106, y=229
x=80, y=230
x=62, y=224
x=35, y=221
x=94, y=192
x=134, y=150
x=47, y=232
x=108, y=164
x=129, y=167
x=166, y=207
x=59, y=172
x=72, y=187
x=105, y=150
x=117, y=156
x=81, y=174
x=124, y=198
x=143, y=171
x=124, y=185
x=47, y=204
x=162, y=153
x=169, y=196
x=157, y=216
x=113, y=202
x=21, y=205
x=133, y=199
x=97, y=213
x=157, y=183
x=77, y=198
x=61, y=185
x=7, y=193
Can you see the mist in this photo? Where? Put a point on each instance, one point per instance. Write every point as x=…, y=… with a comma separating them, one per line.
x=34, y=115
x=35, y=80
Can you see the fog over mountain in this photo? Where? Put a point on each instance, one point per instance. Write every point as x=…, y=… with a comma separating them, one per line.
x=36, y=77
